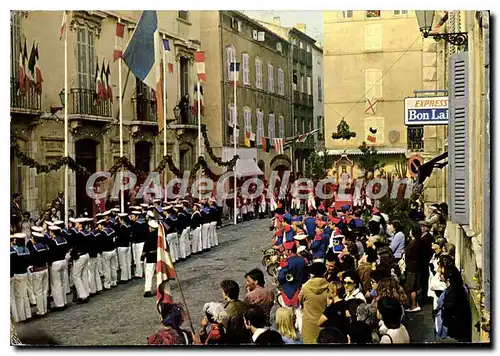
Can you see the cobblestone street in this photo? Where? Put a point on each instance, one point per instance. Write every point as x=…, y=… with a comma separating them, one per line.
x=123, y=316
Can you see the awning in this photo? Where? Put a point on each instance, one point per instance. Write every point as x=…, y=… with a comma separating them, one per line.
x=247, y=167
x=357, y=152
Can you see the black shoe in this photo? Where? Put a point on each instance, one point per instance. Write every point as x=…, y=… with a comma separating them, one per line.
x=104, y=288
x=32, y=305
x=80, y=301
x=86, y=300
x=58, y=309
x=122, y=282
x=147, y=295
x=93, y=294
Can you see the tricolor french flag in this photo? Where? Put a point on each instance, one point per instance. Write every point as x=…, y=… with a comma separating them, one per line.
x=143, y=55
x=199, y=58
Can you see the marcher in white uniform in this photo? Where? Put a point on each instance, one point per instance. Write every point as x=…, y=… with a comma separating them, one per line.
x=58, y=248
x=183, y=227
x=172, y=236
x=39, y=254
x=20, y=260
x=214, y=241
x=205, y=227
x=196, y=223
x=123, y=248
x=140, y=230
x=81, y=258
x=109, y=255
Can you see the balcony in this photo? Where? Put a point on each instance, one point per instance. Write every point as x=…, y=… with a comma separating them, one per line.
x=144, y=109
x=84, y=103
x=302, y=56
x=303, y=99
x=29, y=102
x=295, y=53
x=309, y=59
x=415, y=138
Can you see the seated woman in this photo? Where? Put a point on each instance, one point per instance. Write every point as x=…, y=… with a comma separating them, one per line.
x=171, y=318
x=212, y=331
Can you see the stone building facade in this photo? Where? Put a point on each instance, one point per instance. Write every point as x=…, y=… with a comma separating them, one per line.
x=263, y=97
x=37, y=120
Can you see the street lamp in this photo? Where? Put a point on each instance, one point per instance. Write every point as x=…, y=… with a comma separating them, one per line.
x=425, y=20
x=177, y=112
x=61, y=97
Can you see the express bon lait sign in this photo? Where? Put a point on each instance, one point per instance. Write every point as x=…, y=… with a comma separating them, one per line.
x=426, y=111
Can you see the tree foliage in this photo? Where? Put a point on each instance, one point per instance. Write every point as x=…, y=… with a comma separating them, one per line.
x=370, y=160
x=317, y=165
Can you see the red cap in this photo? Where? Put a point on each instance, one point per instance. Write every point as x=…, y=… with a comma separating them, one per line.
x=375, y=211
x=289, y=245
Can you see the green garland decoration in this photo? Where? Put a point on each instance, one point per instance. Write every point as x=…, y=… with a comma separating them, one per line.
x=46, y=168
x=211, y=153
x=343, y=132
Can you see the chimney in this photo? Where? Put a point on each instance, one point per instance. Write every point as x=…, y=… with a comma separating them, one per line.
x=301, y=27
x=277, y=21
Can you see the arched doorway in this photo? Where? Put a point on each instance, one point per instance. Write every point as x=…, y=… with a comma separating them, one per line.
x=185, y=157
x=143, y=156
x=86, y=155
x=262, y=166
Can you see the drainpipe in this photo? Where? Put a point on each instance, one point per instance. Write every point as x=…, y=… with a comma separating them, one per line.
x=223, y=96
x=485, y=17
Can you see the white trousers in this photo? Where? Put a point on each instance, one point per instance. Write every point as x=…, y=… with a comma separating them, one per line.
x=99, y=265
x=95, y=284
x=31, y=295
x=173, y=245
x=67, y=278
x=184, y=247
x=149, y=271
x=262, y=207
x=136, y=253
x=188, y=241
x=58, y=270
x=110, y=268
x=41, y=288
x=125, y=263
x=81, y=276
x=13, y=307
x=205, y=236
x=214, y=241
x=196, y=240
x=298, y=318
x=21, y=295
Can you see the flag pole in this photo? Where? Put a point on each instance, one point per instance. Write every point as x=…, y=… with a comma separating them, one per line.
x=122, y=204
x=235, y=135
x=199, y=124
x=66, y=118
x=164, y=116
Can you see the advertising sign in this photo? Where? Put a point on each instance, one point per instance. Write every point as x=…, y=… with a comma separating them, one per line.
x=426, y=111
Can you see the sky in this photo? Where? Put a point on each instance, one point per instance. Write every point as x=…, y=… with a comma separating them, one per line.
x=312, y=19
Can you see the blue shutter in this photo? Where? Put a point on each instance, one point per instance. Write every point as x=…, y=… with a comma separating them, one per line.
x=458, y=139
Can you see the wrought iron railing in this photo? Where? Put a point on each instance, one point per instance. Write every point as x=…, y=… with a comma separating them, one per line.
x=28, y=99
x=144, y=109
x=86, y=102
x=302, y=56
x=309, y=59
x=295, y=53
x=296, y=97
x=188, y=117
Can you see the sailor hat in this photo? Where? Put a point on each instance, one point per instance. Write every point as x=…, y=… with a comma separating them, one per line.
x=58, y=222
x=12, y=237
x=106, y=213
x=151, y=214
x=144, y=205
x=136, y=212
x=36, y=228
x=301, y=249
x=102, y=221
x=49, y=223
x=54, y=228
x=37, y=234
x=153, y=224
x=122, y=215
x=116, y=210
x=300, y=237
x=80, y=220
x=179, y=206
x=168, y=207
x=98, y=215
x=21, y=235
x=156, y=200
x=73, y=220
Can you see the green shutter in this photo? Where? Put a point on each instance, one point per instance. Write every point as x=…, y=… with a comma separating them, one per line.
x=458, y=139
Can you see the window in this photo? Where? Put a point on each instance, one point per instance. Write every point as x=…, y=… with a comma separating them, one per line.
x=377, y=123
x=281, y=127
x=86, y=57
x=308, y=49
x=294, y=41
x=320, y=90
x=183, y=15
x=233, y=122
x=347, y=14
x=301, y=46
x=295, y=126
x=247, y=116
x=260, y=127
x=258, y=73
x=320, y=127
x=294, y=80
x=281, y=82
x=301, y=83
x=15, y=44
x=415, y=138
x=184, y=76
x=373, y=37
x=372, y=13
x=309, y=86
x=271, y=127
x=373, y=83
x=270, y=78
x=246, y=68
x=230, y=57
x=400, y=12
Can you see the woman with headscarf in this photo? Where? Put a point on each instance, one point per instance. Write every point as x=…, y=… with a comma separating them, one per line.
x=171, y=333
x=212, y=330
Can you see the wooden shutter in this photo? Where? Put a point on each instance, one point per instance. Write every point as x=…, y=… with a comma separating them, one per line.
x=260, y=127
x=458, y=139
x=271, y=127
x=246, y=69
x=270, y=78
x=373, y=37
x=230, y=59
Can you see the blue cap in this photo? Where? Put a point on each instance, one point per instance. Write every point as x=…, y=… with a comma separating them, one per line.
x=345, y=207
x=287, y=218
x=297, y=219
x=338, y=248
x=324, y=218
